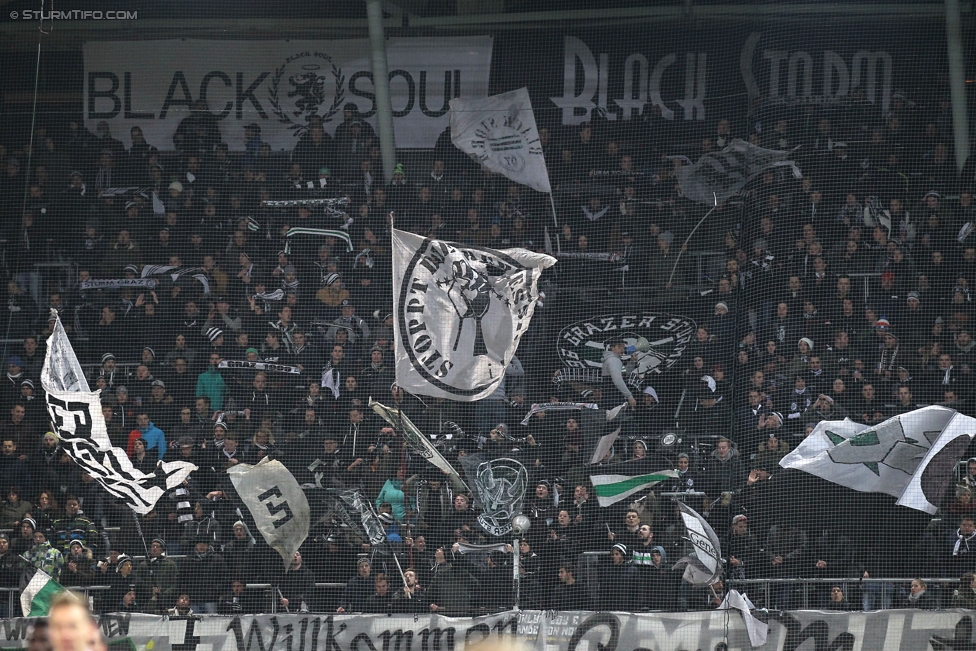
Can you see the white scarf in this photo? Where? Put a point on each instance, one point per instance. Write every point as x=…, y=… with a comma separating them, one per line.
x=959, y=541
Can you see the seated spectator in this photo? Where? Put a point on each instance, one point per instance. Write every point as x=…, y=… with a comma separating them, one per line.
x=838, y=600
x=296, y=587
x=381, y=601
x=453, y=591
x=182, y=606
x=618, y=581
x=235, y=602
x=358, y=589
x=919, y=597
x=569, y=595
x=78, y=565
x=965, y=595
x=13, y=509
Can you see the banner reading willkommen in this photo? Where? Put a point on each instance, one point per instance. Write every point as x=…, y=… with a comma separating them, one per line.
x=278, y=85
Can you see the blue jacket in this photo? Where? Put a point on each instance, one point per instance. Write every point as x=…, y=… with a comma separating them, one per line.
x=154, y=439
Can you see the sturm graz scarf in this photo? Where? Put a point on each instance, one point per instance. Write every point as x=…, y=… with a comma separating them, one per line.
x=260, y=366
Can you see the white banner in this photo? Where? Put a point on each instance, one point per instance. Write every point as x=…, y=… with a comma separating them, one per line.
x=499, y=132
x=278, y=84
x=910, y=456
x=276, y=502
x=460, y=313
x=808, y=630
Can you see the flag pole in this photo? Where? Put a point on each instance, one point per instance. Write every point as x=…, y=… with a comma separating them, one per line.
x=688, y=239
x=555, y=219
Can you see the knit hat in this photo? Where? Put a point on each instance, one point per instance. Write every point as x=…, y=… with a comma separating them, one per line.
x=149, y=348
x=251, y=350
x=739, y=518
x=158, y=383
x=913, y=296
x=808, y=340
x=176, y=185
x=386, y=519
x=620, y=547
x=331, y=278
x=882, y=324
x=398, y=169
x=27, y=383
x=31, y=521
x=123, y=558
x=159, y=541
x=15, y=360
x=723, y=305
x=363, y=561
x=213, y=333
x=107, y=356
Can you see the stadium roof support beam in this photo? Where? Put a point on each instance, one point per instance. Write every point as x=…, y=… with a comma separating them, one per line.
x=533, y=18
x=957, y=82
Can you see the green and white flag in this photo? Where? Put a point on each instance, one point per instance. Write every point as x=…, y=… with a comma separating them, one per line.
x=910, y=456
x=610, y=489
x=36, y=597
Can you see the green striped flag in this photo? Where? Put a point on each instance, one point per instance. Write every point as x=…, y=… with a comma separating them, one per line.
x=610, y=489
x=36, y=597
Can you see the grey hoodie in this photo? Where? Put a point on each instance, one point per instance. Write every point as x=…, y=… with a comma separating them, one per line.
x=613, y=367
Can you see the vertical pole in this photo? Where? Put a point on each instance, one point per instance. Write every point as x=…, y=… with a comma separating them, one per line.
x=381, y=84
x=957, y=82
x=516, y=571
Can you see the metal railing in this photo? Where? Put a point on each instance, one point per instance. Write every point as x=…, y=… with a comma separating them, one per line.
x=807, y=593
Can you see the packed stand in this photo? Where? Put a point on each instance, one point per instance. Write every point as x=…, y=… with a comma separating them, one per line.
x=844, y=294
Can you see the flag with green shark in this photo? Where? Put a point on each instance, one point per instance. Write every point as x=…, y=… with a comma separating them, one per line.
x=610, y=489
x=909, y=456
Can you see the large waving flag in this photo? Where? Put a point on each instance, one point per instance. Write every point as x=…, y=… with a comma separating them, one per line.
x=499, y=132
x=719, y=175
x=610, y=489
x=909, y=456
x=277, y=503
x=704, y=565
x=460, y=312
x=76, y=413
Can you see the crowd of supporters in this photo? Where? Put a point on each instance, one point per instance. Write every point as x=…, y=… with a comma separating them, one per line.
x=844, y=294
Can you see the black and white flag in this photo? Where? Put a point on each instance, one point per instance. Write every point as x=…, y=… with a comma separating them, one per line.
x=76, y=412
x=276, y=502
x=703, y=566
x=460, y=313
x=499, y=132
x=719, y=175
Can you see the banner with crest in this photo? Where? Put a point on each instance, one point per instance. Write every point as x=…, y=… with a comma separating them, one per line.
x=278, y=85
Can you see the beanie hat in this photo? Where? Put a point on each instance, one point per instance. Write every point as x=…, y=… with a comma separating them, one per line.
x=398, y=169
x=31, y=521
x=213, y=333
x=123, y=558
x=160, y=542
x=808, y=340
x=620, y=547
x=386, y=519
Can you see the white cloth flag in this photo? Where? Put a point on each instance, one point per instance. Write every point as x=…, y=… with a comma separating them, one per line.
x=909, y=456
x=499, y=132
x=276, y=502
x=460, y=312
x=758, y=630
x=76, y=412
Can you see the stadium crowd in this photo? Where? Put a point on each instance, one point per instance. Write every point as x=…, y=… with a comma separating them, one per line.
x=844, y=294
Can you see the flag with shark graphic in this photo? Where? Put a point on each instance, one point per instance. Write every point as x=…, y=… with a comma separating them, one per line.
x=909, y=456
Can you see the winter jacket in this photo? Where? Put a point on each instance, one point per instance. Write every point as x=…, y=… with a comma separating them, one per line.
x=82, y=575
x=204, y=576
x=46, y=558
x=211, y=384
x=154, y=439
x=454, y=591
x=393, y=493
x=613, y=368
x=158, y=572
x=75, y=528
x=723, y=475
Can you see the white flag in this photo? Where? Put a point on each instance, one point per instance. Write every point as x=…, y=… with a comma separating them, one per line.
x=499, y=132
x=276, y=502
x=758, y=630
x=460, y=313
x=76, y=413
x=909, y=456
x=719, y=175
